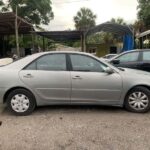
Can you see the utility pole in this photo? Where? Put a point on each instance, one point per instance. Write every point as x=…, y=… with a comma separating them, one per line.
x=16, y=31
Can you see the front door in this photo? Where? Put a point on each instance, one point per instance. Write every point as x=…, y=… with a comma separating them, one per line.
x=90, y=83
x=49, y=78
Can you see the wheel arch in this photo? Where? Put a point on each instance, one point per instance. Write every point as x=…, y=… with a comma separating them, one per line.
x=140, y=85
x=12, y=89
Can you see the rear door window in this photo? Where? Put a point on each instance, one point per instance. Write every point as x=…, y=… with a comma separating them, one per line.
x=146, y=56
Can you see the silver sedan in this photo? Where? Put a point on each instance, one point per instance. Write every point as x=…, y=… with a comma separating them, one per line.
x=53, y=78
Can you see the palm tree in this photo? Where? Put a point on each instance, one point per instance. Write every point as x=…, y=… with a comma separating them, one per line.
x=84, y=19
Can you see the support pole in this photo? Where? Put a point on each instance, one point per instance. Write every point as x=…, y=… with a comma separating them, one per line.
x=43, y=43
x=33, y=44
x=16, y=31
x=82, y=45
x=84, y=42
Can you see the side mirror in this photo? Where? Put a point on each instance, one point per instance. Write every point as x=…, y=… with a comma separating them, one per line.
x=109, y=70
x=115, y=61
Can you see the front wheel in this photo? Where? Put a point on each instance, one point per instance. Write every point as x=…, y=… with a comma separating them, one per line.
x=138, y=100
x=21, y=102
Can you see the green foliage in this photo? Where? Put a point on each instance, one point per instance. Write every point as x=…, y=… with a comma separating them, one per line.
x=84, y=19
x=1, y=3
x=77, y=44
x=118, y=21
x=144, y=11
x=100, y=38
x=34, y=11
x=95, y=39
x=138, y=26
x=24, y=41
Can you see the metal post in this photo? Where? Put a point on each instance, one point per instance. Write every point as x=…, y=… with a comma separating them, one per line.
x=16, y=31
x=84, y=43
x=33, y=46
x=43, y=43
x=82, y=46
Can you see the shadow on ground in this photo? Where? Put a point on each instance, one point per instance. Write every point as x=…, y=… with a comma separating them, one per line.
x=71, y=109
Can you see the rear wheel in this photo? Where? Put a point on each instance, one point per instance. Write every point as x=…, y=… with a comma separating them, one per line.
x=138, y=100
x=21, y=102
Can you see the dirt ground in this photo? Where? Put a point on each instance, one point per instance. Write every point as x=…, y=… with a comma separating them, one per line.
x=75, y=128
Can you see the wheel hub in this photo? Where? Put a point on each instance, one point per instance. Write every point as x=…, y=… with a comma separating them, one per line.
x=138, y=100
x=20, y=103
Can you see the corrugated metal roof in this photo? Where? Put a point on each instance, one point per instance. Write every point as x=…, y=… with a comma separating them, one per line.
x=76, y=35
x=7, y=24
x=62, y=35
x=111, y=27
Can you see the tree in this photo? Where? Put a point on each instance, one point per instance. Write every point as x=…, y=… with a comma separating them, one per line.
x=118, y=21
x=34, y=11
x=99, y=38
x=84, y=19
x=144, y=11
x=138, y=26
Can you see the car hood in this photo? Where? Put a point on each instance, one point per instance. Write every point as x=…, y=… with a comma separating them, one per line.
x=134, y=71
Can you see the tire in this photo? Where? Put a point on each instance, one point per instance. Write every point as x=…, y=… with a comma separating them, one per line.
x=138, y=100
x=21, y=102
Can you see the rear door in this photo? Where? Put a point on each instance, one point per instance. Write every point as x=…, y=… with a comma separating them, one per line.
x=49, y=78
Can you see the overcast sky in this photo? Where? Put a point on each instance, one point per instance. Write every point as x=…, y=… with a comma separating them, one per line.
x=64, y=10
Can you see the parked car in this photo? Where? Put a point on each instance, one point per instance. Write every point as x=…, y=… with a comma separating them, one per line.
x=52, y=78
x=135, y=59
x=5, y=61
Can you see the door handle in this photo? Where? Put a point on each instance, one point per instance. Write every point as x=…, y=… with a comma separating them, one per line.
x=28, y=76
x=76, y=77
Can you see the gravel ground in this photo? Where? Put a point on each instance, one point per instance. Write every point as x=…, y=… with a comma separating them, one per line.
x=75, y=128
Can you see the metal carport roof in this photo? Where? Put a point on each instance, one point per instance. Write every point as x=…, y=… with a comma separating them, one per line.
x=111, y=27
x=62, y=35
x=7, y=24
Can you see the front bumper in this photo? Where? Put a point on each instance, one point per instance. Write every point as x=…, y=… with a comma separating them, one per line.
x=2, y=93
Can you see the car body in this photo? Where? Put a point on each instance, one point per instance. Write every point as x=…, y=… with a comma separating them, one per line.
x=52, y=78
x=135, y=59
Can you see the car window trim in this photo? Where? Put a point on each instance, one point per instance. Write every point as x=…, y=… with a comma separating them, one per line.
x=35, y=60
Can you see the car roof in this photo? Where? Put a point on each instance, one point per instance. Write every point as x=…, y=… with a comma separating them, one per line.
x=24, y=61
x=136, y=50
x=69, y=52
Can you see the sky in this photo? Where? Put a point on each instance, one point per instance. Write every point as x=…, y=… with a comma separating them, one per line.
x=65, y=10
